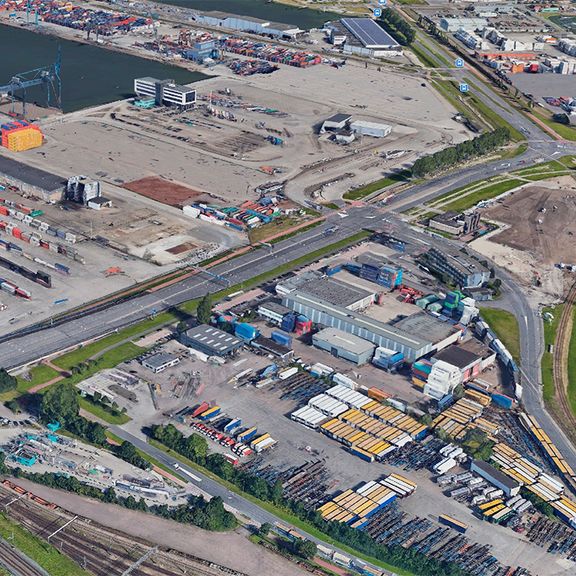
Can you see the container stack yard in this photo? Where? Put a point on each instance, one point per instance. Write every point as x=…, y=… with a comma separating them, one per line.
x=20, y=135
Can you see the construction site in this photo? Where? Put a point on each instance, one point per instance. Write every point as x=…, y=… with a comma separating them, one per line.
x=535, y=238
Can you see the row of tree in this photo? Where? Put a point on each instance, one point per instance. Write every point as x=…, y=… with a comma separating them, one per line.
x=196, y=511
x=397, y=26
x=449, y=157
x=7, y=382
x=195, y=448
x=60, y=404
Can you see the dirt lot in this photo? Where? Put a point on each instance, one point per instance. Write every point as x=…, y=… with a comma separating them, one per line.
x=166, y=192
x=538, y=227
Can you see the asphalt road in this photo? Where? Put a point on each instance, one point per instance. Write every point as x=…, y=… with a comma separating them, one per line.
x=241, y=504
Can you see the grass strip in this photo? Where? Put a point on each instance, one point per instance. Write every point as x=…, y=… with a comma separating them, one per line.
x=487, y=193
x=38, y=375
x=45, y=555
x=505, y=325
x=572, y=365
x=280, y=512
x=101, y=412
x=566, y=132
x=368, y=189
x=547, y=364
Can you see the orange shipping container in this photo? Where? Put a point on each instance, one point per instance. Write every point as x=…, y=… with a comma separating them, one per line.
x=377, y=394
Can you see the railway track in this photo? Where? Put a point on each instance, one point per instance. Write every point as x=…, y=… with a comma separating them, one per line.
x=101, y=551
x=560, y=365
x=16, y=564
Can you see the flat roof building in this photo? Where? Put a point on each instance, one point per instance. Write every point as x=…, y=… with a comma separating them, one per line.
x=159, y=362
x=343, y=345
x=366, y=36
x=509, y=486
x=247, y=24
x=335, y=123
x=458, y=267
x=273, y=311
x=339, y=293
x=441, y=334
x=413, y=346
x=374, y=129
x=32, y=180
x=165, y=92
x=272, y=347
x=210, y=341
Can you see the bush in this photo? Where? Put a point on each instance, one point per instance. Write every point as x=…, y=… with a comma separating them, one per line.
x=7, y=382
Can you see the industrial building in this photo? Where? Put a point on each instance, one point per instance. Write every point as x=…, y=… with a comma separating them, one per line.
x=374, y=129
x=376, y=269
x=413, y=346
x=339, y=293
x=211, y=341
x=343, y=345
x=159, y=362
x=272, y=347
x=363, y=36
x=453, y=24
x=81, y=190
x=296, y=282
x=165, y=92
x=469, y=363
x=509, y=486
x=273, y=312
x=220, y=19
x=32, y=180
x=454, y=223
x=335, y=123
x=442, y=334
x=458, y=267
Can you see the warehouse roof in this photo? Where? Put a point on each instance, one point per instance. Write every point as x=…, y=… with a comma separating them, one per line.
x=31, y=176
x=159, y=360
x=459, y=260
x=372, y=259
x=496, y=474
x=457, y=356
x=335, y=291
x=339, y=118
x=275, y=307
x=271, y=346
x=413, y=341
x=369, y=32
x=214, y=341
x=291, y=284
x=422, y=323
x=343, y=340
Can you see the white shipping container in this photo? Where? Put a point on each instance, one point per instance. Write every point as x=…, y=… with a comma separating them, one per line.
x=444, y=465
x=287, y=373
x=344, y=381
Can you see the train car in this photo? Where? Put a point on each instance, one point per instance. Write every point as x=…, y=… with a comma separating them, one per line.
x=453, y=523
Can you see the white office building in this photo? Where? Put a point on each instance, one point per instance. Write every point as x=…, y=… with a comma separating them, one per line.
x=165, y=92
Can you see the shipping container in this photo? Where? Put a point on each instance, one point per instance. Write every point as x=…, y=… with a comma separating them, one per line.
x=453, y=523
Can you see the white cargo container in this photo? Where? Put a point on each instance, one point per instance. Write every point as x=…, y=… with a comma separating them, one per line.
x=444, y=465
x=287, y=373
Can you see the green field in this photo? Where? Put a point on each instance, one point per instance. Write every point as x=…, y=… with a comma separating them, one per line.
x=486, y=193
x=572, y=365
x=363, y=191
x=48, y=557
x=550, y=329
x=102, y=413
x=566, y=132
x=39, y=375
x=505, y=325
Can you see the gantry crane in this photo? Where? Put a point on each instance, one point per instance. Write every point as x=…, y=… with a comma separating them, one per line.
x=46, y=76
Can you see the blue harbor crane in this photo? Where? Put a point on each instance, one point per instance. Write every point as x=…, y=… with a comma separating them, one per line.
x=46, y=76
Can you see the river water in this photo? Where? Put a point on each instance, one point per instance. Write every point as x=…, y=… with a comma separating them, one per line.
x=271, y=11
x=90, y=75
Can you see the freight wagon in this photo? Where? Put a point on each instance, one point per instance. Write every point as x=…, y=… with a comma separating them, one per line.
x=453, y=523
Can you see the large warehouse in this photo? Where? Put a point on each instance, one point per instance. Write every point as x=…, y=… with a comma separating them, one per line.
x=343, y=345
x=32, y=180
x=339, y=293
x=441, y=333
x=247, y=24
x=211, y=341
x=413, y=346
x=365, y=36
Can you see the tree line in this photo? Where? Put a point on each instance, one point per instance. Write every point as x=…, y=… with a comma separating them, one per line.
x=196, y=511
x=392, y=22
x=195, y=448
x=60, y=404
x=449, y=157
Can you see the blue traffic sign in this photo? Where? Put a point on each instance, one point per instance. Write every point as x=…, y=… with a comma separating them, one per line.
x=383, y=2
x=377, y=12
x=459, y=63
x=464, y=87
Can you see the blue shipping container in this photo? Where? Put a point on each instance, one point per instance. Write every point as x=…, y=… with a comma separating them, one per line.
x=502, y=400
x=281, y=338
x=288, y=322
x=245, y=331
